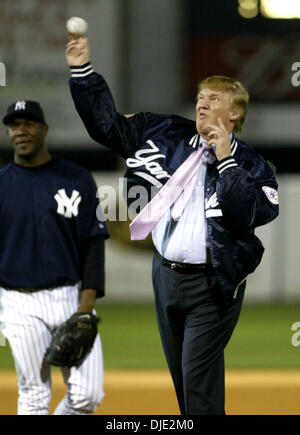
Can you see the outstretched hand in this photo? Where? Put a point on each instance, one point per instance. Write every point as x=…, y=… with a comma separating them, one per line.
x=77, y=50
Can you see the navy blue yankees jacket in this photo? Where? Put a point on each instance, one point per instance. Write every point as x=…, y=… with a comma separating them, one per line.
x=240, y=191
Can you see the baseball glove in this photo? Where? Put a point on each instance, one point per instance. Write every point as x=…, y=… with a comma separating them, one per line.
x=73, y=341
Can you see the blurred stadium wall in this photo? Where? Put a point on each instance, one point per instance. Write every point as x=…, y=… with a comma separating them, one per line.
x=152, y=54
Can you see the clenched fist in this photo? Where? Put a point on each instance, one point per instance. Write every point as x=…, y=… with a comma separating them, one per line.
x=77, y=51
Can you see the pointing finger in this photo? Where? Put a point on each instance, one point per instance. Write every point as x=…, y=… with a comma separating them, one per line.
x=214, y=127
x=213, y=133
x=221, y=124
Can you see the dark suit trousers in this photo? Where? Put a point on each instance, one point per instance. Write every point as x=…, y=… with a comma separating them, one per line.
x=195, y=326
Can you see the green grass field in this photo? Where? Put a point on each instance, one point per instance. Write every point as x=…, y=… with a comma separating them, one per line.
x=130, y=338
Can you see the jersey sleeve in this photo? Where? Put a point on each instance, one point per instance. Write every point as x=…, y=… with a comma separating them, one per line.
x=92, y=232
x=95, y=105
x=247, y=192
x=92, y=264
x=90, y=220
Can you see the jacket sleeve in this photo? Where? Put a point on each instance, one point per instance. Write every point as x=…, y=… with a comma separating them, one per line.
x=95, y=105
x=247, y=193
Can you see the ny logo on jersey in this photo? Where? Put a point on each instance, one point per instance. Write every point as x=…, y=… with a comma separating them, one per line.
x=20, y=105
x=66, y=206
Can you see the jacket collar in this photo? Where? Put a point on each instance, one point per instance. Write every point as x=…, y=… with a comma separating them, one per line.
x=197, y=139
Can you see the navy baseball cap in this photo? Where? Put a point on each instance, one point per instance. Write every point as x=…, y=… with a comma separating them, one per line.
x=24, y=109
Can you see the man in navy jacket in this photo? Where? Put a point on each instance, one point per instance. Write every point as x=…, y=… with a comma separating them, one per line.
x=201, y=260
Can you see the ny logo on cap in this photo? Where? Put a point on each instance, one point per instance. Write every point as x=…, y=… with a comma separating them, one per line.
x=20, y=105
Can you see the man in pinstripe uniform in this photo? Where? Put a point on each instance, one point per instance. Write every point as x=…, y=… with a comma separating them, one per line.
x=50, y=241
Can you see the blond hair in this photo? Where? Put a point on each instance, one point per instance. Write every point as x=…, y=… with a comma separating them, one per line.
x=240, y=96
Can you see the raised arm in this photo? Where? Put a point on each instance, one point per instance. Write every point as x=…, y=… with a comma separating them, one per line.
x=95, y=105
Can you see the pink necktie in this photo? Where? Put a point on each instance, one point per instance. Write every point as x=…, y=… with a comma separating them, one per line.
x=178, y=188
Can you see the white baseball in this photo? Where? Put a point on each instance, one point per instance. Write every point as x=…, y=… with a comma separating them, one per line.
x=77, y=26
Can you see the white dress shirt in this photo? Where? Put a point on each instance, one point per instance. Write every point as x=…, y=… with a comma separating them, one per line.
x=185, y=240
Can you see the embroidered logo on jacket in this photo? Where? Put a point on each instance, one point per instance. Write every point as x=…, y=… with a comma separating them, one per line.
x=212, y=202
x=147, y=157
x=66, y=206
x=271, y=194
x=210, y=206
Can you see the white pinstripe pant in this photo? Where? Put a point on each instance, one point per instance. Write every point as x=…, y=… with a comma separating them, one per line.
x=28, y=321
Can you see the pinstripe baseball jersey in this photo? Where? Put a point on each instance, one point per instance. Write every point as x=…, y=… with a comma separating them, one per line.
x=45, y=214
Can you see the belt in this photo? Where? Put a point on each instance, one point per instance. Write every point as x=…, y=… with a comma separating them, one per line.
x=31, y=290
x=184, y=268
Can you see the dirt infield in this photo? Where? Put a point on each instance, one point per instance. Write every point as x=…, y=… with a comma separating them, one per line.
x=151, y=393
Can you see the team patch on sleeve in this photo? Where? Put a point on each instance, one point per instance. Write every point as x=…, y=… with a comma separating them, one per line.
x=271, y=194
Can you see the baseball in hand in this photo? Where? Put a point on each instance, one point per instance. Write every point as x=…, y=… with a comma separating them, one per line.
x=77, y=26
